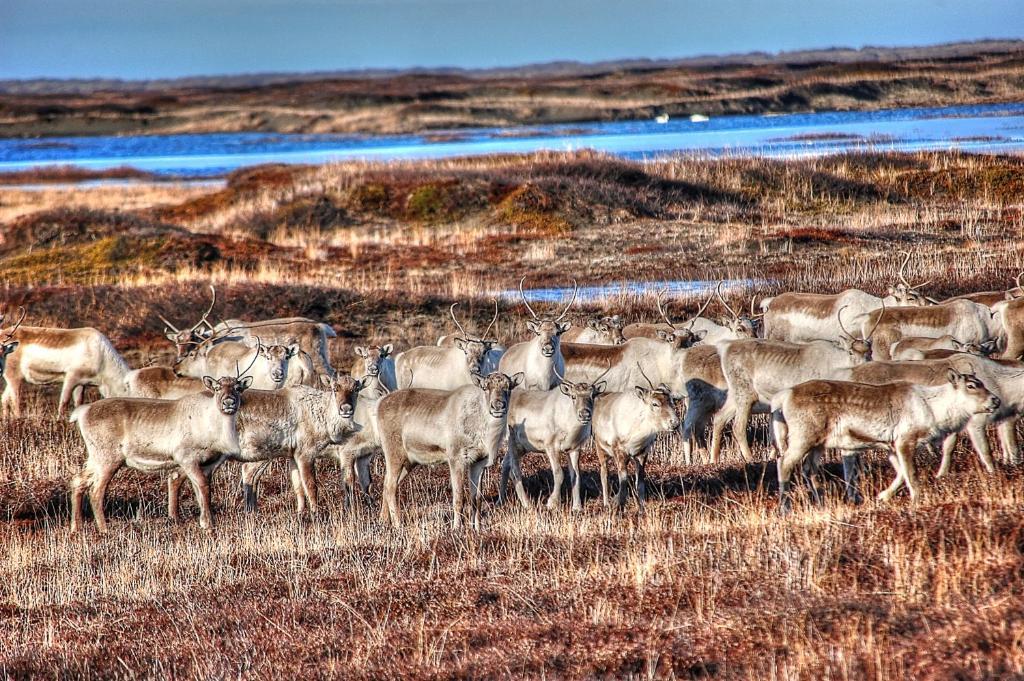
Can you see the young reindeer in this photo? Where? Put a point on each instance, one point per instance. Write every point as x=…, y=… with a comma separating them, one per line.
x=625, y=425
x=447, y=367
x=270, y=362
x=298, y=423
x=597, y=331
x=539, y=359
x=918, y=347
x=375, y=363
x=192, y=434
x=187, y=340
x=463, y=428
x=757, y=369
x=76, y=358
x=552, y=422
x=354, y=455
x=853, y=417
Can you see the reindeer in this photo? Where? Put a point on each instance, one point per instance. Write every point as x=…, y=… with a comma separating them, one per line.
x=352, y=453
x=192, y=434
x=77, y=358
x=552, y=422
x=160, y=383
x=605, y=330
x=1009, y=315
x=463, y=428
x=625, y=425
x=539, y=359
x=187, y=340
x=919, y=347
x=297, y=423
x=757, y=369
x=623, y=366
x=376, y=364
x=270, y=361
x=711, y=331
x=1002, y=378
x=803, y=317
x=445, y=368
x=493, y=350
x=706, y=393
x=308, y=335
x=966, y=321
x=990, y=298
x=7, y=343
x=813, y=416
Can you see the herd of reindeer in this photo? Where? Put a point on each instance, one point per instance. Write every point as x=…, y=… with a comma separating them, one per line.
x=849, y=371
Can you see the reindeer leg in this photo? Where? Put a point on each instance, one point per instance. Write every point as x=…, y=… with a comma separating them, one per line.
x=457, y=470
x=201, y=487
x=174, y=483
x=476, y=473
x=558, y=477
x=851, y=474
x=574, y=470
x=976, y=432
x=1008, y=441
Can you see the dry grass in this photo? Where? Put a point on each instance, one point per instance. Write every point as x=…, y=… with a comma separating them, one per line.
x=708, y=583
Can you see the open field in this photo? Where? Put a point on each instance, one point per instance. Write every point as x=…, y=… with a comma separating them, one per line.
x=406, y=102
x=708, y=583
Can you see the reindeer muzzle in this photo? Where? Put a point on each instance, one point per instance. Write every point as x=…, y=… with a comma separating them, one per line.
x=584, y=415
x=346, y=411
x=498, y=409
x=992, y=404
x=548, y=350
x=229, y=405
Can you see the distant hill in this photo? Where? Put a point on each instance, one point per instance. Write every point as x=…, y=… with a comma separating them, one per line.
x=417, y=100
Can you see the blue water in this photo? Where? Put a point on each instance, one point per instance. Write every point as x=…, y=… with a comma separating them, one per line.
x=980, y=128
x=586, y=294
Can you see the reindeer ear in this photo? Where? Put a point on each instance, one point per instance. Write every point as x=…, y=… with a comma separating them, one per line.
x=210, y=383
x=173, y=337
x=700, y=335
x=564, y=387
x=250, y=341
x=244, y=383
x=533, y=327
x=664, y=335
x=564, y=326
x=460, y=343
x=478, y=380
x=517, y=378
x=600, y=387
x=386, y=350
x=593, y=324
x=640, y=392
x=953, y=376
x=361, y=351
x=293, y=350
x=326, y=380
x=957, y=345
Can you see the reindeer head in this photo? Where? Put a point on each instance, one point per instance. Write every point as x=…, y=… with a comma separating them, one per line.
x=583, y=394
x=275, y=356
x=859, y=348
x=681, y=335
x=497, y=387
x=981, y=349
x=372, y=356
x=740, y=326
x=610, y=328
x=659, y=405
x=907, y=294
x=979, y=398
x=475, y=351
x=346, y=391
x=227, y=390
x=548, y=329
x=8, y=344
x=1017, y=291
x=188, y=341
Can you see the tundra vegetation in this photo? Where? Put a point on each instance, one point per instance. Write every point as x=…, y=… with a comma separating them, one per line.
x=706, y=581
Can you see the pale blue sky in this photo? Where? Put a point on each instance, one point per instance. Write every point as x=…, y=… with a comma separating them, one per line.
x=165, y=38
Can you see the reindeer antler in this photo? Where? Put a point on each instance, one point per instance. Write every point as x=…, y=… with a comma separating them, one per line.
x=645, y=376
x=575, y=290
x=451, y=311
x=718, y=292
x=903, y=267
x=493, y=319
x=525, y=301
x=661, y=311
x=839, y=318
x=255, y=356
x=877, y=322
